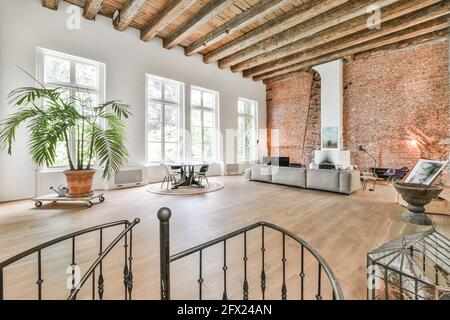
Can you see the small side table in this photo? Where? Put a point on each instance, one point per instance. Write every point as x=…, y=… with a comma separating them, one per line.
x=365, y=180
x=38, y=201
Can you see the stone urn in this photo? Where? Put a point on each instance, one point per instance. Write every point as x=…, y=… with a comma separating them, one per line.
x=417, y=196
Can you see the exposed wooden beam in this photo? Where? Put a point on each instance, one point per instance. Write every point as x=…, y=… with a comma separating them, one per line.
x=326, y=35
x=399, y=24
x=127, y=14
x=172, y=10
x=274, y=26
x=206, y=13
x=91, y=9
x=423, y=29
x=237, y=23
x=51, y=4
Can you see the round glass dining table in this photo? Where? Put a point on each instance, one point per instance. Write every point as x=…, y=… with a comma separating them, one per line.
x=187, y=173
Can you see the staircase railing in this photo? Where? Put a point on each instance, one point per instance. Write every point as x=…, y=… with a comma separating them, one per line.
x=166, y=259
x=97, y=282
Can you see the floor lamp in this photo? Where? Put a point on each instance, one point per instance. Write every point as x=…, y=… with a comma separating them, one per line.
x=362, y=149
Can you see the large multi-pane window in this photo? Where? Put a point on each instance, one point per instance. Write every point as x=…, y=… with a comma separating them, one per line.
x=247, y=130
x=163, y=108
x=203, y=115
x=76, y=77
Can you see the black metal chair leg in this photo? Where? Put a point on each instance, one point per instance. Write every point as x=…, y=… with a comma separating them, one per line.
x=162, y=185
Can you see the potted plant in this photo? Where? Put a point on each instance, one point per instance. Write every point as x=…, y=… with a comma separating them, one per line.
x=96, y=133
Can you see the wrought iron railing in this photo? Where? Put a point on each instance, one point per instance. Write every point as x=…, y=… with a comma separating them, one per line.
x=98, y=284
x=323, y=268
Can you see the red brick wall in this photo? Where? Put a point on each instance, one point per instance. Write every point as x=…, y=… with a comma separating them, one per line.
x=396, y=105
x=293, y=110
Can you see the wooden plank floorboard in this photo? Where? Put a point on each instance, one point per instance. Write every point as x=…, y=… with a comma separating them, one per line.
x=342, y=228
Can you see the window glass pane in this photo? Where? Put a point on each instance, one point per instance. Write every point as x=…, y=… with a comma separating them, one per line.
x=241, y=106
x=171, y=92
x=208, y=135
x=154, y=151
x=154, y=131
x=196, y=135
x=154, y=89
x=197, y=151
x=155, y=112
x=196, y=118
x=86, y=101
x=249, y=108
x=196, y=97
x=86, y=75
x=170, y=132
x=208, y=120
x=61, y=155
x=171, y=114
x=208, y=100
x=56, y=69
x=207, y=156
x=171, y=151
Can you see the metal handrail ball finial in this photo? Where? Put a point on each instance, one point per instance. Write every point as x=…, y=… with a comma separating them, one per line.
x=164, y=214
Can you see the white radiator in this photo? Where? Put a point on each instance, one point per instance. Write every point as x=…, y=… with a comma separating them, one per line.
x=128, y=177
x=232, y=169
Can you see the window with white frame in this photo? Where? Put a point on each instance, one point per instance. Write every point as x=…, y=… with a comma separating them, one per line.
x=164, y=98
x=203, y=123
x=247, y=130
x=76, y=77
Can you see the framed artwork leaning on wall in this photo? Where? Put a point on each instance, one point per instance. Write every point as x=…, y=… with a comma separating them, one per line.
x=426, y=171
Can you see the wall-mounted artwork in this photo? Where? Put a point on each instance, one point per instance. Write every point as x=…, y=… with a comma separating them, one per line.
x=426, y=171
x=330, y=137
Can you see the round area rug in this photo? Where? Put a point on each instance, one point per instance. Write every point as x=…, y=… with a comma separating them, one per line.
x=212, y=187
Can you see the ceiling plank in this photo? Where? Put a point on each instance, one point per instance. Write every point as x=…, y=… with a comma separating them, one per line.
x=206, y=13
x=127, y=14
x=401, y=23
x=51, y=4
x=173, y=9
x=237, y=23
x=308, y=41
x=92, y=8
x=423, y=29
x=274, y=26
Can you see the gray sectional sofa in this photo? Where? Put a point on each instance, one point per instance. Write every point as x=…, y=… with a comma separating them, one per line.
x=341, y=181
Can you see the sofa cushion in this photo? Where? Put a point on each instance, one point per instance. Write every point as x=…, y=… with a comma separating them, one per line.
x=261, y=173
x=322, y=179
x=349, y=181
x=295, y=177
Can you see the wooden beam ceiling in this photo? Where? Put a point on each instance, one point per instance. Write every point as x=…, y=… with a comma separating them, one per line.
x=127, y=14
x=173, y=9
x=277, y=25
x=419, y=30
x=51, y=4
x=272, y=39
x=235, y=24
x=339, y=31
x=206, y=13
x=389, y=27
x=91, y=9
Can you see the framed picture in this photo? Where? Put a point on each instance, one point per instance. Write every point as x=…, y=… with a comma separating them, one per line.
x=426, y=171
x=330, y=137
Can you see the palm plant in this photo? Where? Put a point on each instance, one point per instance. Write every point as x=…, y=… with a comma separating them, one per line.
x=52, y=118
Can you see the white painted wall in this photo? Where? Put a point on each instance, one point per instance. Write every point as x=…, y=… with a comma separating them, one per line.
x=332, y=110
x=25, y=25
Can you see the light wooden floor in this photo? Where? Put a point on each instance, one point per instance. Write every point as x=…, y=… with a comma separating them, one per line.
x=342, y=228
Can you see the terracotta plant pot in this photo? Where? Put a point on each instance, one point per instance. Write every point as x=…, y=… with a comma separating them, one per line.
x=79, y=182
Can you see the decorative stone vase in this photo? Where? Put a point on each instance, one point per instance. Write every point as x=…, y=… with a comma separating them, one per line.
x=79, y=182
x=417, y=196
